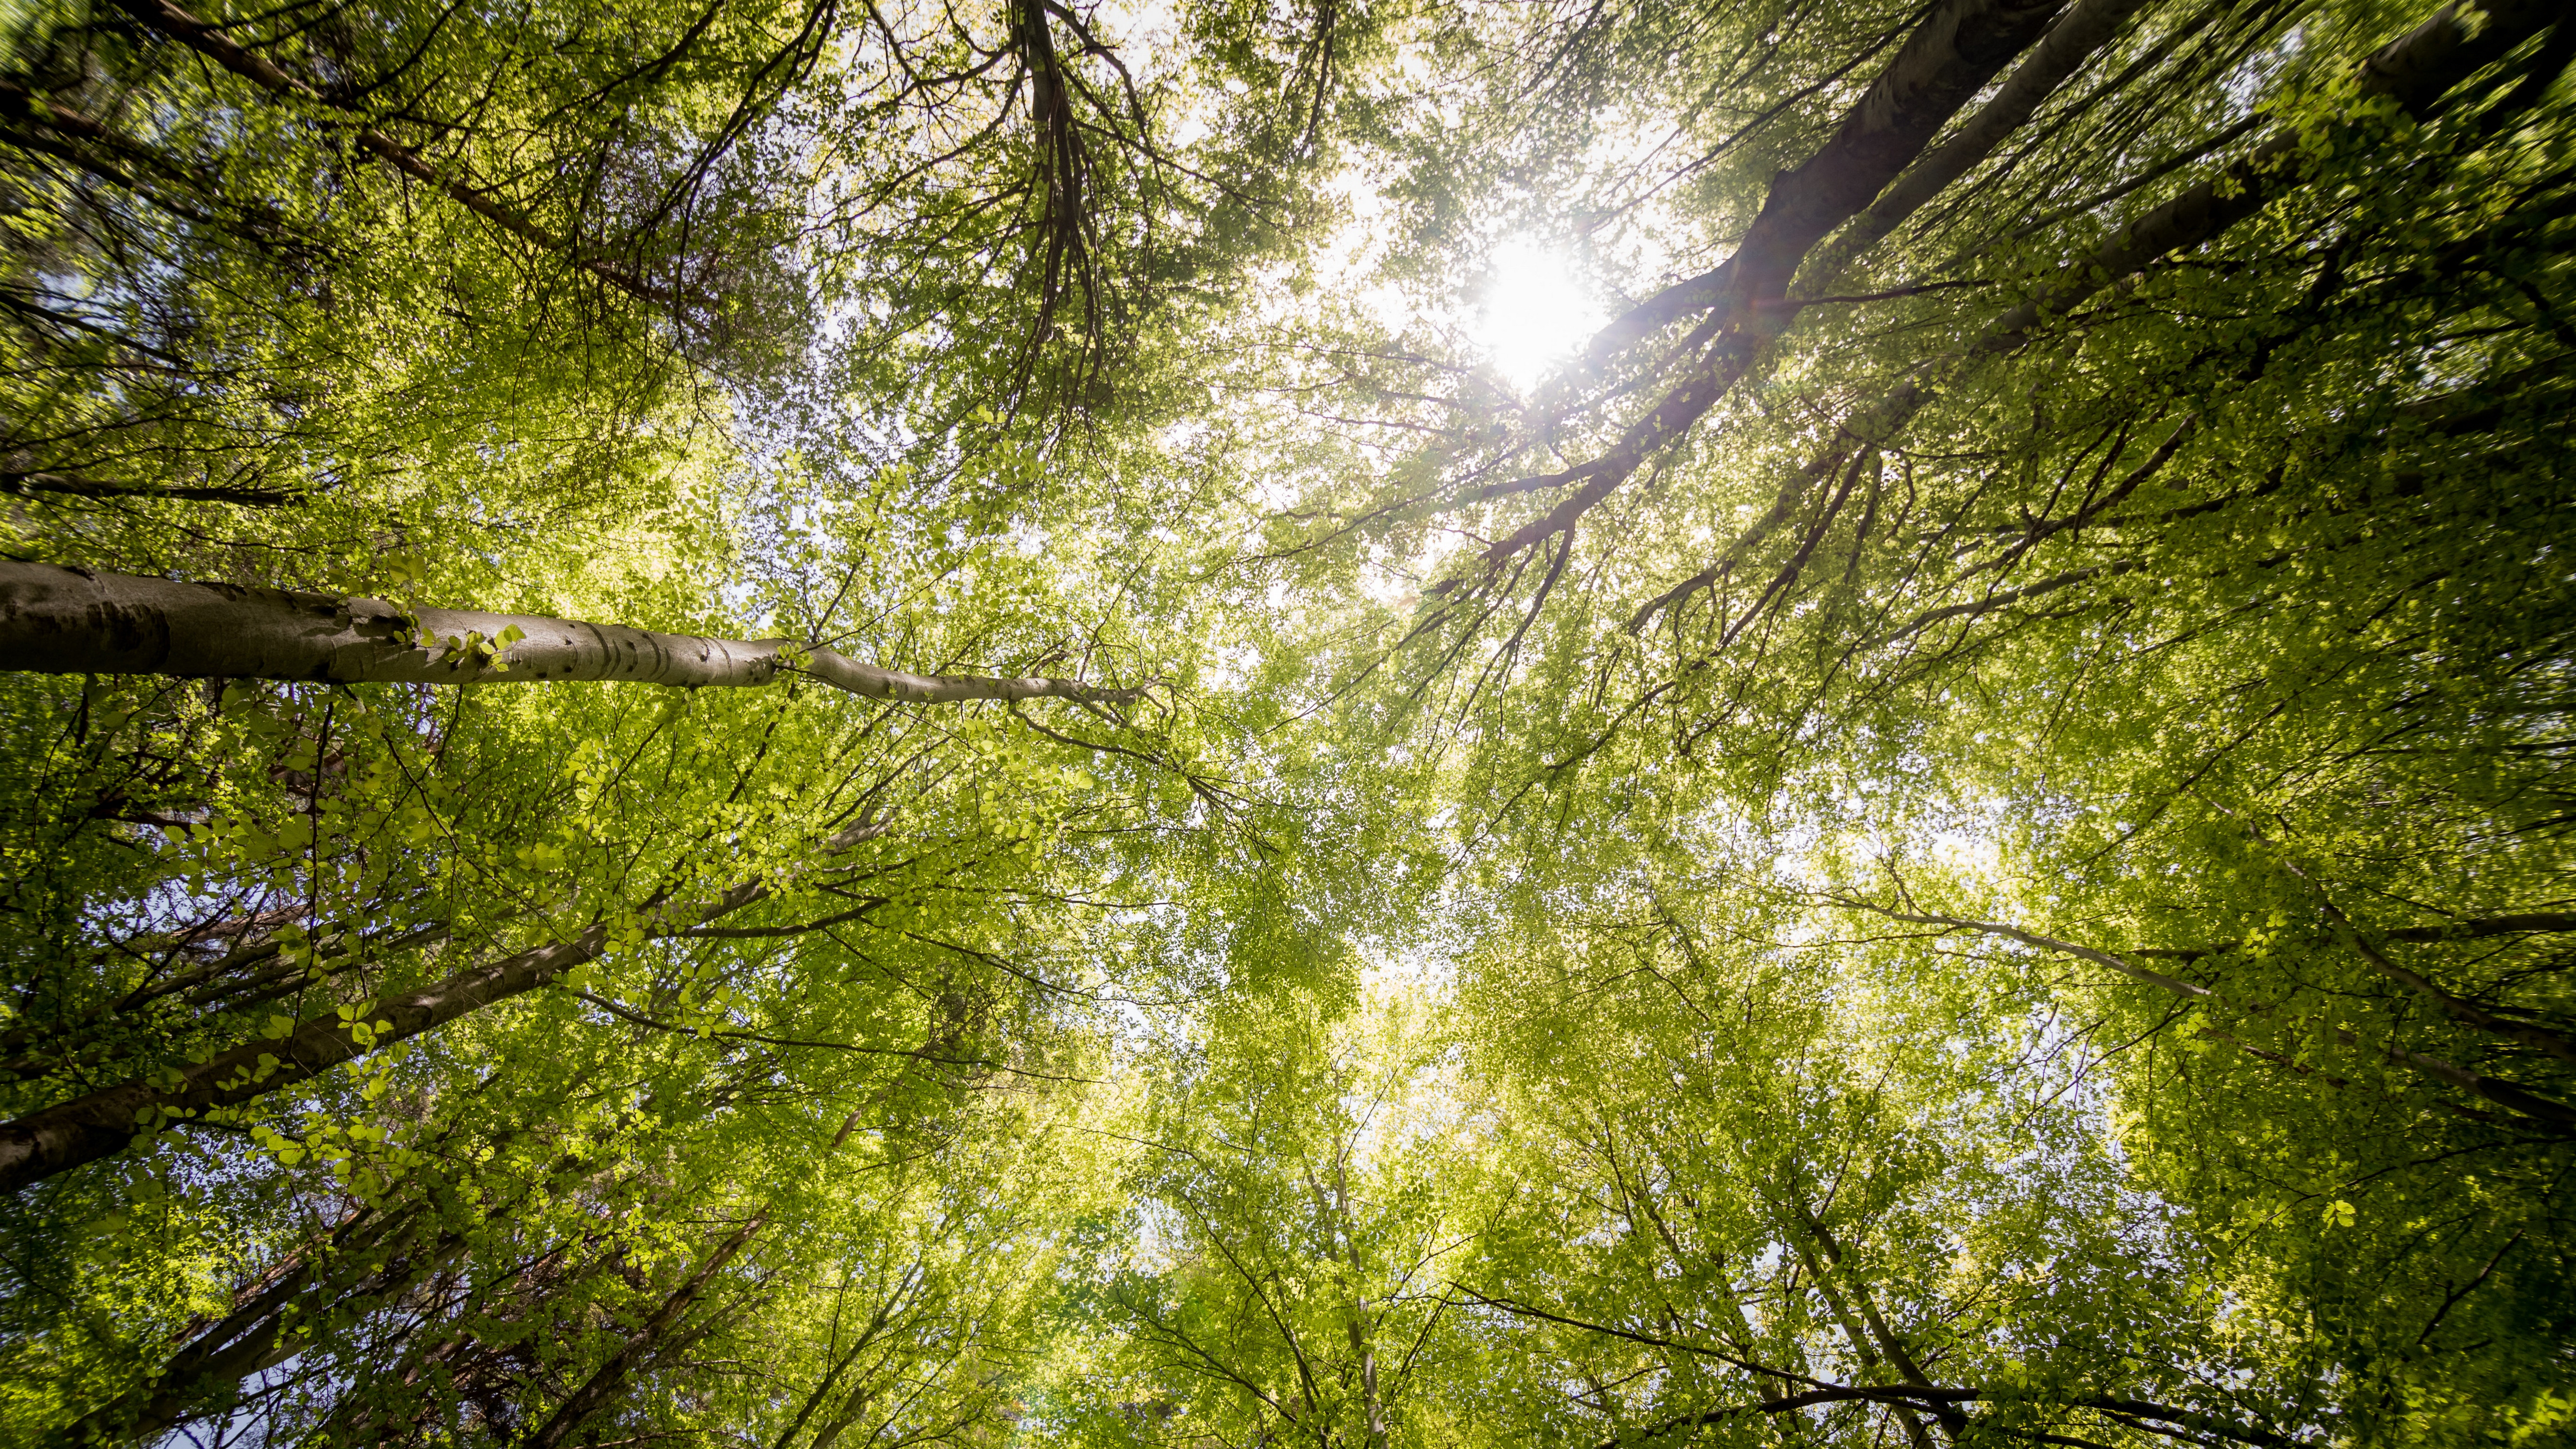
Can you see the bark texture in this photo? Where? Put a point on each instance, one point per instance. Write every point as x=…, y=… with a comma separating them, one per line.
x=1950, y=57
x=2068, y=44
x=56, y=620
x=204, y=1379
x=1947, y=60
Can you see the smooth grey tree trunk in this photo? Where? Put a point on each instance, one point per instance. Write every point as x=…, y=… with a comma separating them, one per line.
x=2414, y=70
x=57, y=620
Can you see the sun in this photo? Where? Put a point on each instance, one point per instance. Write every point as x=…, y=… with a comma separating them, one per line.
x=1535, y=312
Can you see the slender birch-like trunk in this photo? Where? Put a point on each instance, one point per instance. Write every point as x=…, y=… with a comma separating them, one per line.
x=56, y=620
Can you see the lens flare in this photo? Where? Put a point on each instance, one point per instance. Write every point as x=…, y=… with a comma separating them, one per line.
x=1535, y=313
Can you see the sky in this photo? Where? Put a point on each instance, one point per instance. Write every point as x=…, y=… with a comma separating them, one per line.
x=1534, y=313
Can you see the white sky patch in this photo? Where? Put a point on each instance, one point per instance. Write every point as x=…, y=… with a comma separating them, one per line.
x=1408, y=970
x=1143, y=32
x=1535, y=313
x=1386, y=588
x=1976, y=853
x=1398, y=584
x=1347, y=264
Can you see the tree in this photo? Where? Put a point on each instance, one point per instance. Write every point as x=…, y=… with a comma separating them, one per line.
x=2134, y=482
x=63, y=621
x=1278, y=1277
x=1120, y=830
x=1853, y=1180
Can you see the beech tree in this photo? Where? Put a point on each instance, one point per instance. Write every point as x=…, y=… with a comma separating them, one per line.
x=1958, y=502
x=908, y=724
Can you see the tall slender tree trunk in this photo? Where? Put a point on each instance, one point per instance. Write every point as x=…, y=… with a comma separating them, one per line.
x=68, y=1134
x=89, y=1127
x=56, y=620
x=2414, y=70
x=205, y=1378
x=2081, y=31
x=212, y=42
x=609, y=1378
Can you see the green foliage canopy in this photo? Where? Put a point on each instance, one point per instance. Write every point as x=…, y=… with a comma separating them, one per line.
x=1946, y=830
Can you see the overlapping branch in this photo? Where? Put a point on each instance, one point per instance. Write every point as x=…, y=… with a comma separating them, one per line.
x=1953, y=54
x=96, y=1124
x=1933, y=1398
x=210, y=41
x=2413, y=71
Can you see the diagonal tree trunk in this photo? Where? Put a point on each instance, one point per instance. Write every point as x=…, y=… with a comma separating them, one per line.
x=2069, y=43
x=609, y=1379
x=211, y=41
x=56, y=620
x=2075, y=37
x=352, y=1420
x=205, y=1378
x=1957, y=49
x=100, y=1123
x=855, y=1401
x=2414, y=70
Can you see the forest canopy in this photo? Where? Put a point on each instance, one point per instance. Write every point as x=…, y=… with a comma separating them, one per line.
x=1373, y=724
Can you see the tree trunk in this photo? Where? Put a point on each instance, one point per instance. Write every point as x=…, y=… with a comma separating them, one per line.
x=2414, y=70
x=56, y=620
x=1945, y=62
x=211, y=42
x=205, y=1378
x=605, y=1383
x=1950, y=56
x=2083, y=30
x=64, y=1136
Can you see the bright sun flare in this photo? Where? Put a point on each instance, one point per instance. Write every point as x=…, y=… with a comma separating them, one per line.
x=1534, y=313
